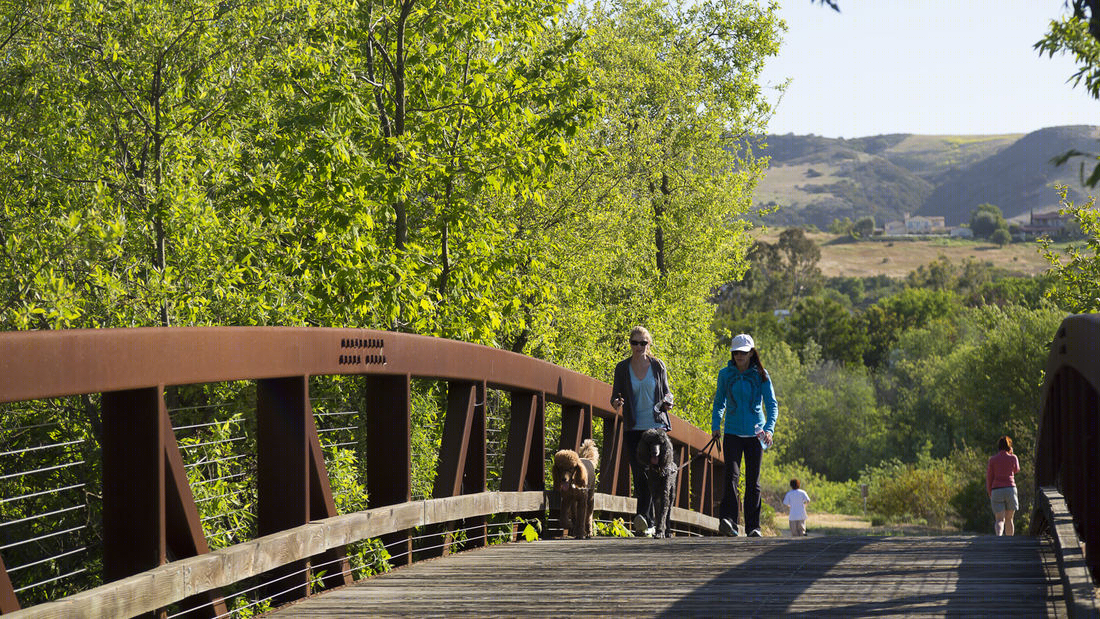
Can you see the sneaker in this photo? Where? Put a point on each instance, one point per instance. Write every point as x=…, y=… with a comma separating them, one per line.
x=755, y=533
x=725, y=527
x=651, y=531
x=640, y=525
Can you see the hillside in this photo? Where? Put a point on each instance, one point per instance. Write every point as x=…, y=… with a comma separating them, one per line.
x=898, y=258
x=814, y=180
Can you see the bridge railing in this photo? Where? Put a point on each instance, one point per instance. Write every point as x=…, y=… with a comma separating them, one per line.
x=153, y=540
x=1067, y=459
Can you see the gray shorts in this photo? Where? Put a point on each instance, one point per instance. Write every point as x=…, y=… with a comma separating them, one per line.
x=798, y=528
x=1002, y=499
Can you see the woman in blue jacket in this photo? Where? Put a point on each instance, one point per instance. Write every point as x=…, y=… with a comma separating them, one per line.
x=743, y=395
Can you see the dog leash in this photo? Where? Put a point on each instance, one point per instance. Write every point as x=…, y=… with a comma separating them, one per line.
x=702, y=452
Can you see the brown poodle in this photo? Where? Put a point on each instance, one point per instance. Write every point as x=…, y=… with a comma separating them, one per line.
x=575, y=479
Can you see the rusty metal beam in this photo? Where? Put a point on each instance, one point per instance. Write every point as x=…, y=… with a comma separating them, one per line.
x=456, y=450
x=389, y=452
x=457, y=431
x=523, y=465
x=44, y=364
x=682, y=487
x=476, y=471
x=284, y=419
x=39, y=364
x=9, y=603
x=576, y=425
x=612, y=463
x=322, y=505
x=134, y=510
x=183, y=527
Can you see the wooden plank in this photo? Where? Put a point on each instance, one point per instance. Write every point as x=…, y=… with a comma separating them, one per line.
x=172, y=582
x=1080, y=592
x=713, y=576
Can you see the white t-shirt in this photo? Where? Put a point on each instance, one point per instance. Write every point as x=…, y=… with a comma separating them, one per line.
x=796, y=500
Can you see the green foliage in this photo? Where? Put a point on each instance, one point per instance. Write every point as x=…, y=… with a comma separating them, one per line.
x=863, y=228
x=825, y=403
x=1074, y=35
x=833, y=497
x=840, y=335
x=918, y=493
x=530, y=533
x=1075, y=273
x=841, y=227
x=911, y=308
x=367, y=558
x=778, y=275
x=615, y=528
x=986, y=219
x=971, y=502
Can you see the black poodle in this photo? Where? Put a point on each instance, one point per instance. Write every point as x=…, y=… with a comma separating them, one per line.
x=655, y=454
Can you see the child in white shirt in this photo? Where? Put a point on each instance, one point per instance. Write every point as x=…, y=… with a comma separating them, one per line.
x=796, y=499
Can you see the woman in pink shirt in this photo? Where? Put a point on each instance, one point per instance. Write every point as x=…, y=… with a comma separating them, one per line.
x=1000, y=484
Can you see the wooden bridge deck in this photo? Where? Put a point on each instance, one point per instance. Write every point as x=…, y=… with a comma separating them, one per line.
x=765, y=577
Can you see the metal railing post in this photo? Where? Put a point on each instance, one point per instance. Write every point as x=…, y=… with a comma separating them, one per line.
x=389, y=451
x=134, y=538
x=283, y=418
x=9, y=603
x=462, y=454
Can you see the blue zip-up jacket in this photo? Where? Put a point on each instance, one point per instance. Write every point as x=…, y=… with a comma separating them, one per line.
x=742, y=397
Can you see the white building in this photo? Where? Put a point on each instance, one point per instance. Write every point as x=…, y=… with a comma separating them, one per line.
x=917, y=224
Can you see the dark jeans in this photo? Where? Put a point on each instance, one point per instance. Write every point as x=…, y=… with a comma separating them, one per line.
x=637, y=471
x=733, y=447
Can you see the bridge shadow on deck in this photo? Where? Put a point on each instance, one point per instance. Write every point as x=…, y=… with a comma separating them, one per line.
x=711, y=577
x=876, y=577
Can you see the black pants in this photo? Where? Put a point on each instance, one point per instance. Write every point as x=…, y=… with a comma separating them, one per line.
x=637, y=471
x=733, y=447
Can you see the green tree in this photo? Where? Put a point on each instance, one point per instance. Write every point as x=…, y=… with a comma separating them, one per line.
x=829, y=324
x=1075, y=272
x=863, y=228
x=1001, y=237
x=644, y=224
x=913, y=307
x=825, y=403
x=985, y=219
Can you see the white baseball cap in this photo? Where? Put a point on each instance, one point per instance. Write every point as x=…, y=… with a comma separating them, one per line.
x=742, y=342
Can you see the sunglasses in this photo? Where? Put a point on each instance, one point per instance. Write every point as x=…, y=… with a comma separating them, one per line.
x=637, y=343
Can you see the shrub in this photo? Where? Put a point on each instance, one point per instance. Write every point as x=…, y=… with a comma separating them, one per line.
x=921, y=492
x=831, y=497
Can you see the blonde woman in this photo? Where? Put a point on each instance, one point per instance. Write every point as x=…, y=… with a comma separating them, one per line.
x=641, y=393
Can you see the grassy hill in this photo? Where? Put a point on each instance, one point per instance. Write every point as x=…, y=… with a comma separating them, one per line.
x=898, y=258
x=814, y=180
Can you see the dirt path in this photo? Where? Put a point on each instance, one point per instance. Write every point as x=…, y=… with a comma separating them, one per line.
x=818, y=525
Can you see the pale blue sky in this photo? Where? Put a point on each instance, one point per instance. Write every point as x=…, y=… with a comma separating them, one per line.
x=931, y=67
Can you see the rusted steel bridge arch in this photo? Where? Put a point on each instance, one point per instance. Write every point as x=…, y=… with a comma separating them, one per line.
x=1067, y=459
x=149, y=513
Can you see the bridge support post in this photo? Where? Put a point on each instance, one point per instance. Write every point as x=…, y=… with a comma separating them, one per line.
x=389, y=452
x=462, y=462
x=683, y=492
x=576, y=425
x=282, y=476
x=9, y=603
x=524, y=467
x=703, y=474
x=614, y=468
x=148, y=507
